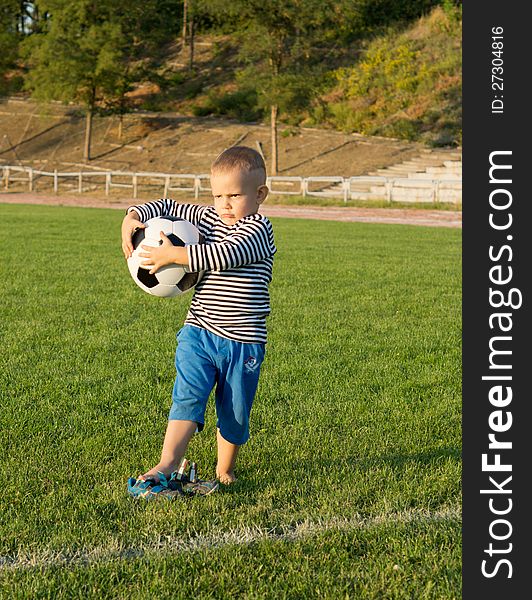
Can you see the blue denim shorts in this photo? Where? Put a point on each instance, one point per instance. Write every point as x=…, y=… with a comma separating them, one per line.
x=204, y=360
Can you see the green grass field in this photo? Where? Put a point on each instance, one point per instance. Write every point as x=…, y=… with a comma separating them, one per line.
x=350, y=484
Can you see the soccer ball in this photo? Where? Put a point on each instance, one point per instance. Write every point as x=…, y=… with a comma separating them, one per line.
x=170, y=280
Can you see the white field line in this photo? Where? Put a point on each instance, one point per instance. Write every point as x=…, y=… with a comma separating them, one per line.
x=238, y=537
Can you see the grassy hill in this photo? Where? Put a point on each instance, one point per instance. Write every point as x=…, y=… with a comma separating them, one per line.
x=404, y=83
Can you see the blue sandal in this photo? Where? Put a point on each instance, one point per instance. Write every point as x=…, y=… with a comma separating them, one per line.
x=178, y=484
x=149, y=489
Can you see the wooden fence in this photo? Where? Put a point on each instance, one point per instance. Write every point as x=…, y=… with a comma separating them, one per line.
x=399, y=189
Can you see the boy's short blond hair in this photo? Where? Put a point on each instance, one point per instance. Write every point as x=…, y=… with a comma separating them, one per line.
x=242, y=158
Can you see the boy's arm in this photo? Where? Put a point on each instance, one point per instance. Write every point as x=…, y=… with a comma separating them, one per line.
x=250, y=243
x=130, y=224
x=137, y=215
x=165, y=206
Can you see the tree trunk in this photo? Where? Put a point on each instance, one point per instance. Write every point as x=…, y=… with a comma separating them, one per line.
x=184, y=34
x=120, y=124
x=88, y=133
x=91, y=104
x=35, y=19
x=191, y=42
x=275, y=164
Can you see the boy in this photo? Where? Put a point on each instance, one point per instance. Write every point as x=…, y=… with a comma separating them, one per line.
x=223, y=340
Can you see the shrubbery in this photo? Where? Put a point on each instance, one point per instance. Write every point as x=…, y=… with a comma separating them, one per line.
x=406, y=85
x=369, y=66
x=240, y=104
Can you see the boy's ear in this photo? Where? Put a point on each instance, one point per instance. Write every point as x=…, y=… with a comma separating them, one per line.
x=262, y=193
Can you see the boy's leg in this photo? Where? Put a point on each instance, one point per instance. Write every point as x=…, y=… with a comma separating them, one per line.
x=176, y=439
x=195, y=377
x=235, y=391
x=227, y=453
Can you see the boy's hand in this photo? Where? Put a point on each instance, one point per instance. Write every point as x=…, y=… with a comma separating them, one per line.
x=160, y=256
x=130, y=224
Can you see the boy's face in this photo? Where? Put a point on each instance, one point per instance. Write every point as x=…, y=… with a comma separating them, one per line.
x=237, y=194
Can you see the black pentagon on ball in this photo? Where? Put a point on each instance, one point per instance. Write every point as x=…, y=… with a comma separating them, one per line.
x=176, y=241
x=138, y=237
x=146, y=278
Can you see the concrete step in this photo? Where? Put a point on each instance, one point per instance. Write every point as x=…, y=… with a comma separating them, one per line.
x=402, y=190
x=398, y=167
x=404, y=195
x=405, y=190
x=358, y=195
x=411, y=182
x=421, y=164
x=443, y=170
x=425, y=195
x=394, y=172
x=379, y=190
x=446, y=154
x=424, y=163
x=357, y=187
x=434, y=176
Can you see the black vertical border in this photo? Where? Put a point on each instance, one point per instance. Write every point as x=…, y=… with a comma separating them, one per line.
x=485, y=132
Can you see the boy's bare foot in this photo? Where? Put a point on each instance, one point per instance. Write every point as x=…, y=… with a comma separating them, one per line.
x=227, y=453
x=226, y=478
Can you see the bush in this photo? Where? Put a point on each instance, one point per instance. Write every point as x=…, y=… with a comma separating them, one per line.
x=240, y=104
x=404, y=129
x=404, y=83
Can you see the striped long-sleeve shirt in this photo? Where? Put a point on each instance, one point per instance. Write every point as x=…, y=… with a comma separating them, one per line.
x=231, y=299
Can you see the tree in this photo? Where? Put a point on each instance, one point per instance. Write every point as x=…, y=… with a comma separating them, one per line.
x=9, y=38
x=93, y=52
x=189, y=30
x=78, y=57
x=278, y=40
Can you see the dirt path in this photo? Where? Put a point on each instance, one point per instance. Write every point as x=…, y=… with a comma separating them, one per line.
x=401, y=216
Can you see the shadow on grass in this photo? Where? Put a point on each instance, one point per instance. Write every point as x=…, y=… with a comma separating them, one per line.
x=401, y=460
x=332, y=472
